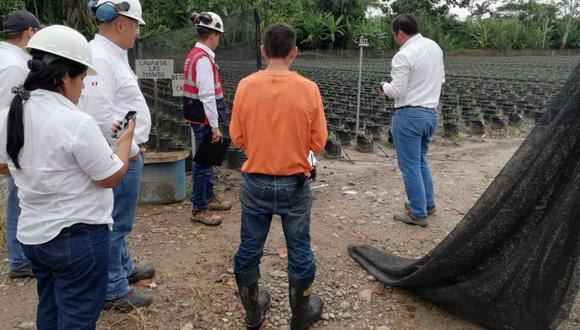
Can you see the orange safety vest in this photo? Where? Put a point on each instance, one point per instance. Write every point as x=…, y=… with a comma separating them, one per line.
x=193, y=111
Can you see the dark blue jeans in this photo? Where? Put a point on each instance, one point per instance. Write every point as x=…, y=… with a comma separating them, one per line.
x=261, y=197
x=15, y=253
x=71, y=277
x=413, y=129
x=201, y=174
x=121, y=264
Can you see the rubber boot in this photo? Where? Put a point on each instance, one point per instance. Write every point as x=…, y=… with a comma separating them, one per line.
x=306, y=309
x=256, y=303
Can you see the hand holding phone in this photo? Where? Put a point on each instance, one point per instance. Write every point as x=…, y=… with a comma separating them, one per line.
x=122, y=126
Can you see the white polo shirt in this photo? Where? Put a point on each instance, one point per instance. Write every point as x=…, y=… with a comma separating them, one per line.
x=113, y=92
x=13, y=71
x=64, y=152
x=417, y=74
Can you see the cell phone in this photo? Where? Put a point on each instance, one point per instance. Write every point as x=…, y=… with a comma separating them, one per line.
x=123, y=126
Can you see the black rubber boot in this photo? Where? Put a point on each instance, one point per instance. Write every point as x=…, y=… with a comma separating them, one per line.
x=306, y=309
x=256, y=303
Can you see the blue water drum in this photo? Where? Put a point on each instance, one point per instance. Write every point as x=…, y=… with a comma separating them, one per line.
x=163, y=180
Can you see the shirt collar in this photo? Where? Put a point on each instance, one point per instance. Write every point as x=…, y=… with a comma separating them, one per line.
x=412, y=39
x=16, y=49
x=112, y=46
x=206, y=48
x=57, y=96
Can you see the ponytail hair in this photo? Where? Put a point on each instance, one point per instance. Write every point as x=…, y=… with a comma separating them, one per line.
x=47, y=72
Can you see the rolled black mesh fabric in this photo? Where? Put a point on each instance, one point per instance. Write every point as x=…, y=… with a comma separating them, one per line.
x=512, y=262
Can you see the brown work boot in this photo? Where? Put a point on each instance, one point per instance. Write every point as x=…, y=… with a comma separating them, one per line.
x=431, y=210
x=410, y=219
x=216, y=204
x=205, y=216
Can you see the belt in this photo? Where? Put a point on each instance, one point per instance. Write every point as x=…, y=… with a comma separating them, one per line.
x=413, y=106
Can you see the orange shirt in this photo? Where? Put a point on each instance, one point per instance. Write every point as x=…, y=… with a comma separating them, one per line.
x=278, y=117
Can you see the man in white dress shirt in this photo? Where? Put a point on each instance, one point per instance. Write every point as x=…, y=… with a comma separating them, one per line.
x=18, y=26
x=107, y=97
x=417, y=74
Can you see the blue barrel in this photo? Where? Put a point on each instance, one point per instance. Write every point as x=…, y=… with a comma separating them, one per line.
x=163, y=179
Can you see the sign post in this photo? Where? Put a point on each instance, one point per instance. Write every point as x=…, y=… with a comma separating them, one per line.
x=362, y=42
x=155, y=69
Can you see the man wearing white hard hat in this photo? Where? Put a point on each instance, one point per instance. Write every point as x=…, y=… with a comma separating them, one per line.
x=64, y=170
x=108, y=97
x=204, y=107
x=18, y=27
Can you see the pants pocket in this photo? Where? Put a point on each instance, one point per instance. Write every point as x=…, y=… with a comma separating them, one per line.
x=55, y=253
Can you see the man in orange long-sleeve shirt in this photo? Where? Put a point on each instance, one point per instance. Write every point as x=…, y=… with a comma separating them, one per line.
x=277, y=117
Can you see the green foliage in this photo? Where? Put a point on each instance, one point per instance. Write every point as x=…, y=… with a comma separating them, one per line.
x=333, y=24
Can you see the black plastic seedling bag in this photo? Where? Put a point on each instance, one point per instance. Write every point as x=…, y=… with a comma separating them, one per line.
x=512, y=262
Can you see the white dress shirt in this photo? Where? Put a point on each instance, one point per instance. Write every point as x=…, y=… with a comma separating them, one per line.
x=64, y=152
x=113, y=92
x=206, y=85
x=13, y=71
x=417, y=74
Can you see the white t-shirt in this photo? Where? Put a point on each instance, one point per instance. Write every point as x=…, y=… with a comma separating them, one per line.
x=13, y=71
x=64, y=152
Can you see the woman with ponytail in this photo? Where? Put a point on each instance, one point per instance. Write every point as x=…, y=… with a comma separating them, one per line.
x=64, y=169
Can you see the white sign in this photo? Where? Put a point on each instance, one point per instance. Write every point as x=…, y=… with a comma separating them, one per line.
x=362, y=42
x=154, y=69
x=177, y=84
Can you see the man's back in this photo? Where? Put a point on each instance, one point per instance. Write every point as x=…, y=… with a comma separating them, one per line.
x=424, y=59
x=278, y=117
x=13, y=71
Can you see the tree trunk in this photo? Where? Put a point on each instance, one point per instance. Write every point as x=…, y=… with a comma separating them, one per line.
x=546, y=25
x=566, y=32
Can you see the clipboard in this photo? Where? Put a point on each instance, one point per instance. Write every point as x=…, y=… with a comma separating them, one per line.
x=212, y=153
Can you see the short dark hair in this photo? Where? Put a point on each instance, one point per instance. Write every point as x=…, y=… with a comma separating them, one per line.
x=279, y=40
x=406, y=23
x=203, y=33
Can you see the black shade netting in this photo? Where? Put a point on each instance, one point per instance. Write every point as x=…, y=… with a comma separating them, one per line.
x=512, y=262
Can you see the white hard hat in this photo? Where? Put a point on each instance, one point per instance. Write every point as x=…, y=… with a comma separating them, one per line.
x=65, y=42
x=107, y=10
x=208, y=20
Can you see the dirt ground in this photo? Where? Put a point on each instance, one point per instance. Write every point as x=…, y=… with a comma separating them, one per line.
x=353, y=203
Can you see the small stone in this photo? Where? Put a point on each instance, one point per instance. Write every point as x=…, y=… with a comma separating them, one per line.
x=187, y=326
x=365, y=295
x=230, y=270
x=325, y=316
x=152, y=285
x=384, y=327
x=332, y=316
x=278, y=274
x=27, y=325
x=344, y=305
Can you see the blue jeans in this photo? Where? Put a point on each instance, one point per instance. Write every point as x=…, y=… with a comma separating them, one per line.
x=71, y=277
x=202, y=174
x=15, y=252
x=413, y=129
x=125, y=207
x=261, y=197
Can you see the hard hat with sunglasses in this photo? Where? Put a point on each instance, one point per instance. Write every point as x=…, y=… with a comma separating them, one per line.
x=208, y=20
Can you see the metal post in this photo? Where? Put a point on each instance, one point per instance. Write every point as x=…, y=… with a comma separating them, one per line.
x=359, y=88
x=156, y=104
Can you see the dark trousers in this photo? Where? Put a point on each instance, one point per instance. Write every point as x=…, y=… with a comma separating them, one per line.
x=262, y=196
x=71, y=277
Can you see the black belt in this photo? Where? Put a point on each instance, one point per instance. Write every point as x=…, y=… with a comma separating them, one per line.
x=412, y=106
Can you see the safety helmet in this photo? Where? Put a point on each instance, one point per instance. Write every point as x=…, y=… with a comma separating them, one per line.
x=208, y=20
x=65, y=42
x=106, y=11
